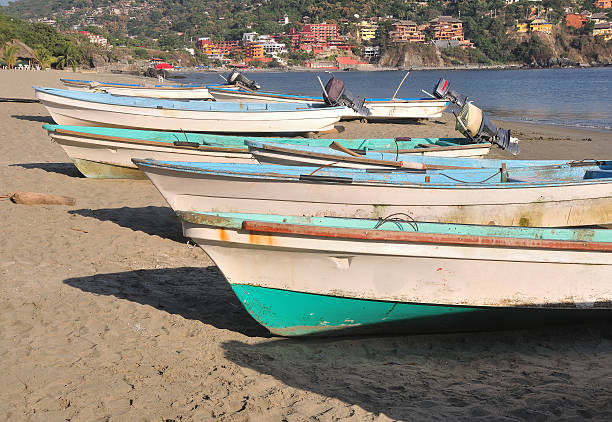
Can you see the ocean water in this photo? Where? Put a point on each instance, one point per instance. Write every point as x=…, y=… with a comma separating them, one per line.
x=580, y=97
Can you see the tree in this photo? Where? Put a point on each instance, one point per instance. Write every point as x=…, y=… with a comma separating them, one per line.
x=10, y=54
x=67, y=59
x=43, y=57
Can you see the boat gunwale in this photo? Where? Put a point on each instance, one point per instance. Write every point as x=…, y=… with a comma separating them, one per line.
x=73, y=96
x=346, y=180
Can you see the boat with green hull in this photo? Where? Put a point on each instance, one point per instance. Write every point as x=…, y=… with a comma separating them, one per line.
x=101, y=152
x=329, y=276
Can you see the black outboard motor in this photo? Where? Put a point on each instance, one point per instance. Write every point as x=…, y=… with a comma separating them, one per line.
x=236, y=78
x=443, y=90
x=335, y=94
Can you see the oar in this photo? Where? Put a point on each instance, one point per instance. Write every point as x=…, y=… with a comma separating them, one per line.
x=335, y=145
x=402, y=164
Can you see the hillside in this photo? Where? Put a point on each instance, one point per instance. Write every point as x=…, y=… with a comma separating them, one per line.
x=175, y=24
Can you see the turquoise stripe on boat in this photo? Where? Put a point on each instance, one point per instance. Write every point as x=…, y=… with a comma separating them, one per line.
x=239, y=141
x=234, y=221
x=289, y=313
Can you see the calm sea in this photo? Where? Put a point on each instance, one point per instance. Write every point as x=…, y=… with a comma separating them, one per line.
x=569, y=97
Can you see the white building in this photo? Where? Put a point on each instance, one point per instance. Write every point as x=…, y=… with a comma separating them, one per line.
x=249, y=37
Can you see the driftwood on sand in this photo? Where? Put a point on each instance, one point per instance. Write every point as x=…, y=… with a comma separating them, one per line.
x=35, y=198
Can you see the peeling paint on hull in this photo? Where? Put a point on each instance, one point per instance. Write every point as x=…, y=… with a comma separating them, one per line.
x=289, y=313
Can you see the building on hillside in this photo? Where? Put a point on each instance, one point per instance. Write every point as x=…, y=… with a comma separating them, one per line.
x=371, y=52
x=270, y=46
x=446, y=28
x=603, y=4
x=94, y=38
x=522, y=27
x=283, y=20
x=227, y=47
x=248, y=37
x=575, y=20
x=598, y=17
x=540, y=25
x=254, y=51
x=209, y=48
x=366, y=31
x=403, y=30
x=322, y=30
x=348, y=62
x=603, y=29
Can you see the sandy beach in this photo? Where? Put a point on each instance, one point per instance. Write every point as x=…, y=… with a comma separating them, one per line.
x=108, y=313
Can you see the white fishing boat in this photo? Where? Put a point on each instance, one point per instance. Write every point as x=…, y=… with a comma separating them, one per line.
x=172, y=92
x=327, y=276
x=568, y=195
x=100, y=109
x=102, y=152
x=380, y=108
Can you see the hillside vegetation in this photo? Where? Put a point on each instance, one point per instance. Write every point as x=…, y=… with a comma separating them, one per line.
x=175, y=24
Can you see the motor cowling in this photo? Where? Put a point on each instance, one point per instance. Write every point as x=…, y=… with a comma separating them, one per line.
x=474, y=124
x=443, y=90
x=236, y=78
x=336, y=94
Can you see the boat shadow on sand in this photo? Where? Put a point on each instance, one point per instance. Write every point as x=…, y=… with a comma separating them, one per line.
x=34, y=118
x=525, y=374
x=152, y=220
x=67, y=169
x=196, y=293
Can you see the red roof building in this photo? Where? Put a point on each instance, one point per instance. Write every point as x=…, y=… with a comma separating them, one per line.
x=575, y=20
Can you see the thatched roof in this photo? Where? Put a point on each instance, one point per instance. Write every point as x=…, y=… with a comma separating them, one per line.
x=23, y=51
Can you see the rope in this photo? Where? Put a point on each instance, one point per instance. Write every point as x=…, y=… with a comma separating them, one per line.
x=463, y=181
x=322, y=167
x=392, y=219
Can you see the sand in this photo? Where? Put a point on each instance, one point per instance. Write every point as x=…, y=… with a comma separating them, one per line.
x=108, y=313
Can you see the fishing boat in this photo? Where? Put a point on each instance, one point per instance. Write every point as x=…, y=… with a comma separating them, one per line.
x=100, y=109
x=380, y=108
x=300, y=276
x=570, y=195
x=101, y=152
x=270, y=152
x=167, y=91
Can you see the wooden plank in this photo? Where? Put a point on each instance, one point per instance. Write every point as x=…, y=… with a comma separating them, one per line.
x=438, y=148
x=417, y=237
x=141, y=142
x=359, y=159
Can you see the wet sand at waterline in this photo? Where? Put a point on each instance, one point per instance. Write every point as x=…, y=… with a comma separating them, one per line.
x=106, y=313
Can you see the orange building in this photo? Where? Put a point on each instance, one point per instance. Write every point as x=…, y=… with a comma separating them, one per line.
x=446, y=28
x=575, y=20
x=603, y=4
x=254, y=51
x=406, y=31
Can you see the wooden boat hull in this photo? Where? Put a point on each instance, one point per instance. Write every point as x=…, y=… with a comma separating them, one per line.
x=302, y=284
x=78, y=112
x=520, y=204
x=383, y=109
x=288, y=155
x=175, y=92
x=108, y=157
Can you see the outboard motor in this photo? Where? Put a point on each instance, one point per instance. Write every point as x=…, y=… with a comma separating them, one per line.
x=472, y=121
x=335, y=94
x=236, y=78
x=474, y=124
x=443, y=90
